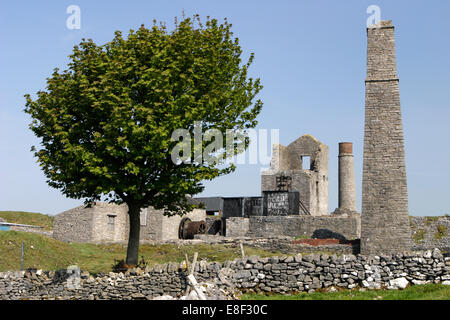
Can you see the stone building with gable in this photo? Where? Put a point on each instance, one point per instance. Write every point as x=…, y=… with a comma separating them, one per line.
x=301, y=166
x=107, y=222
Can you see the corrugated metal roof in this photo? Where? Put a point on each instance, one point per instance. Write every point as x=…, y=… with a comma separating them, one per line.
x=211, y=203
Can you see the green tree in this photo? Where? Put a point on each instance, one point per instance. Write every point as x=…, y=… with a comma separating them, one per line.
x=105, y=124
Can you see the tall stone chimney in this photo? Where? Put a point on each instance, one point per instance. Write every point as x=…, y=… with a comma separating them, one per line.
x=347, y=190
x=384, y=217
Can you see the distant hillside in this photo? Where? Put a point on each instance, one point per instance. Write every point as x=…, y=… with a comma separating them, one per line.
x=37, y=219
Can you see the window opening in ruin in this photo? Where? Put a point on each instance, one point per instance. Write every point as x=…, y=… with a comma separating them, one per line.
x=111, y=222
x=143, y=217
x=306, y=163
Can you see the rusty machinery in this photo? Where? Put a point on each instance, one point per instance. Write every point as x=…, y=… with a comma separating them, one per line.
x=189, y=228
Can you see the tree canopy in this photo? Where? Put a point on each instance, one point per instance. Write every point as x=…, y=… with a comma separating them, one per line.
x=106, y=123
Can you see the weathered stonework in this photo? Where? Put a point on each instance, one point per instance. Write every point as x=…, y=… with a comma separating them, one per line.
x=297, y=226
x=237, y=227
x=74, y=225
x=311, y=183
x=285, y=275
x=106, y=222
x=102, y=227
x=384, y=219
x=284, y=244
x=430, y=232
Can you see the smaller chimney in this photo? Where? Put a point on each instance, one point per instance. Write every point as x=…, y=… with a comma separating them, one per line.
x=347, y=190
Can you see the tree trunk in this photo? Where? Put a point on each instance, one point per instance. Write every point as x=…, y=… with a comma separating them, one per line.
x=133, y=240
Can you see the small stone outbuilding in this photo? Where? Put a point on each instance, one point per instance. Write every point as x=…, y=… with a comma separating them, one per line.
x=106, y=222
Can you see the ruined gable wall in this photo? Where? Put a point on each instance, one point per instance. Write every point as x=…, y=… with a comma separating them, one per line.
x=74, y=225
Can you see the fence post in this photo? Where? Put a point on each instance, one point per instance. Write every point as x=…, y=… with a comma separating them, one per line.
x=21, y=257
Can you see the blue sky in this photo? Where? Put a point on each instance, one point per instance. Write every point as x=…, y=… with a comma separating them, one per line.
x=310, y=56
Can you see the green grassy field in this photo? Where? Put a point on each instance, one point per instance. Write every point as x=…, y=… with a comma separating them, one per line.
x=45, y=253
x=49, y=254
x=418, y=292
x=20, y=217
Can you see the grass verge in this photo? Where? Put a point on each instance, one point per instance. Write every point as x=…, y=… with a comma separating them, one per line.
x=416, y=292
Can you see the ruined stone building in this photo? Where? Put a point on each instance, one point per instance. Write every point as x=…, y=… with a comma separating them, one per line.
x=301, y=166
x=294, y=200
x=384, y=217
x=294, y=190
x=106, y=222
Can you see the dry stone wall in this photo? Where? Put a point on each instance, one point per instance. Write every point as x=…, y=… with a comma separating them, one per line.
x=287, y=274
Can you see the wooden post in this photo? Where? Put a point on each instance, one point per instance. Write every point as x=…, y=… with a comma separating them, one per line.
x=191, y=270
x=196, y=287
x=194, y=262
x=242, y=250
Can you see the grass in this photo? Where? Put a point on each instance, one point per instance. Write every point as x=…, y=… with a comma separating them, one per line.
x=441, y=232
x=40, y=251
x=417, y=292
x=49, y=254
x=20, y=217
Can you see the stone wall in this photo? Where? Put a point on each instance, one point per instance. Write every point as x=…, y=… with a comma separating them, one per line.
x=107, y=222
x=287, y=274
x=430, y=232
x=336, y=227
x=236, y=227
x=285, y=245
x=153, y=229
x=74, y=225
